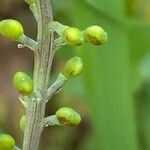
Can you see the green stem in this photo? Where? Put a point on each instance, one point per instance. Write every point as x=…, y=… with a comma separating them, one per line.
x=28, y=42
x=43, y=60
x=58, y=43
x=33, y=8
x=16, y=148
x=51, y=121
x=58, y=84
x=57, y=27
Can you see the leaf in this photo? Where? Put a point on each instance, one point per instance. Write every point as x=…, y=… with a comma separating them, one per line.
x=114, y=10
x=107, y=79
x=138, y=35
x=144, y=67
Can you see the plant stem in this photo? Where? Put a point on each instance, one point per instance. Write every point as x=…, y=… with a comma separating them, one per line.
x=42, y=66
x=50, y=121
x=28, y=42
x=61, y=80
x=16, y=148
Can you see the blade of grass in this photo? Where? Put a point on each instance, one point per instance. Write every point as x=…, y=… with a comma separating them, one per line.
x=107, y=78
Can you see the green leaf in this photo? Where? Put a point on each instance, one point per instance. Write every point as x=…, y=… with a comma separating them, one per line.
x=144, y=67
x=108, y=80
x=143, y=111
x=114, y=10
x=138, y=35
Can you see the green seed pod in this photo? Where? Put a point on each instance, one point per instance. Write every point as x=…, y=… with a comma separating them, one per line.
x=11, y=29
x=73, y=36
x=23, y=83
x=6, y=142
x=73, y=67
x=95, y=35
x=30, y=2
x=68, y=116
x=22, y=123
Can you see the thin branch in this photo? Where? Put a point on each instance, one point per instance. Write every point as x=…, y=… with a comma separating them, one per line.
x=58, y=43
x=27, y=42
x=33, y=8
x=50, y=121
x=16, y=148
x=57, y=27
x=21, y=98
x=56, y=86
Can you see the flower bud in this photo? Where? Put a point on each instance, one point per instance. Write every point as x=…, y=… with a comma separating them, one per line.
x=95, y=35
x=11, y=29
x=73, y=67
x=73, y=36
x=22, y=123
x=23, y=83
x=30, y=2
x=6, y=142
x=68, y=116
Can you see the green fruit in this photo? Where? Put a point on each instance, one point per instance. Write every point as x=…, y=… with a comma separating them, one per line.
x=68, y=116
x=30, y=2
x=11, y=29
x=73, y=36
x=95, y=35
x=6, y=142
x=22, y=123
x=23, y=83
x=73, y=67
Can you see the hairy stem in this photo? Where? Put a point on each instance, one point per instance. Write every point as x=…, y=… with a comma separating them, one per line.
x=16, y=148
x=43, y=60
x=28, y=42
x=50, y=121
x=61, y=80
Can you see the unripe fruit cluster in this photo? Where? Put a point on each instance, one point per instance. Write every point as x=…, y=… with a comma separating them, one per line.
x=68, y=116
x=7, y=142
x=23, y=83
x=93, y=34
x=11, y=29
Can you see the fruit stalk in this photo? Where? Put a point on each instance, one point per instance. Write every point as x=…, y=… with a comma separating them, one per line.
x=16, y=148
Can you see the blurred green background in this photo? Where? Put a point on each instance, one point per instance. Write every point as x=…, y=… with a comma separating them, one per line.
x=112, y=95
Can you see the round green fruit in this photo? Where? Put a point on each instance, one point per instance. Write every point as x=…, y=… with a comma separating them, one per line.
x=23, y=83
x=73, y=67
x=95, y=35
x=6, y=142
x=68, y=116
x=11, y=29
x=73, y=36
x=22, y=123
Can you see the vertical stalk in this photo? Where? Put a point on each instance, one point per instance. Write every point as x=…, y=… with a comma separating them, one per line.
x=42, y=65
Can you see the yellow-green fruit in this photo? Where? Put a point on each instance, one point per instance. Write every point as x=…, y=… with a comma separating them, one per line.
x=11, y=29
x=68, y=116
x=95, y=35
x=30, y=2
x=22, y=123
x=23, y=83
x=6, y=142
x=73, y=67
x=73, y=36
